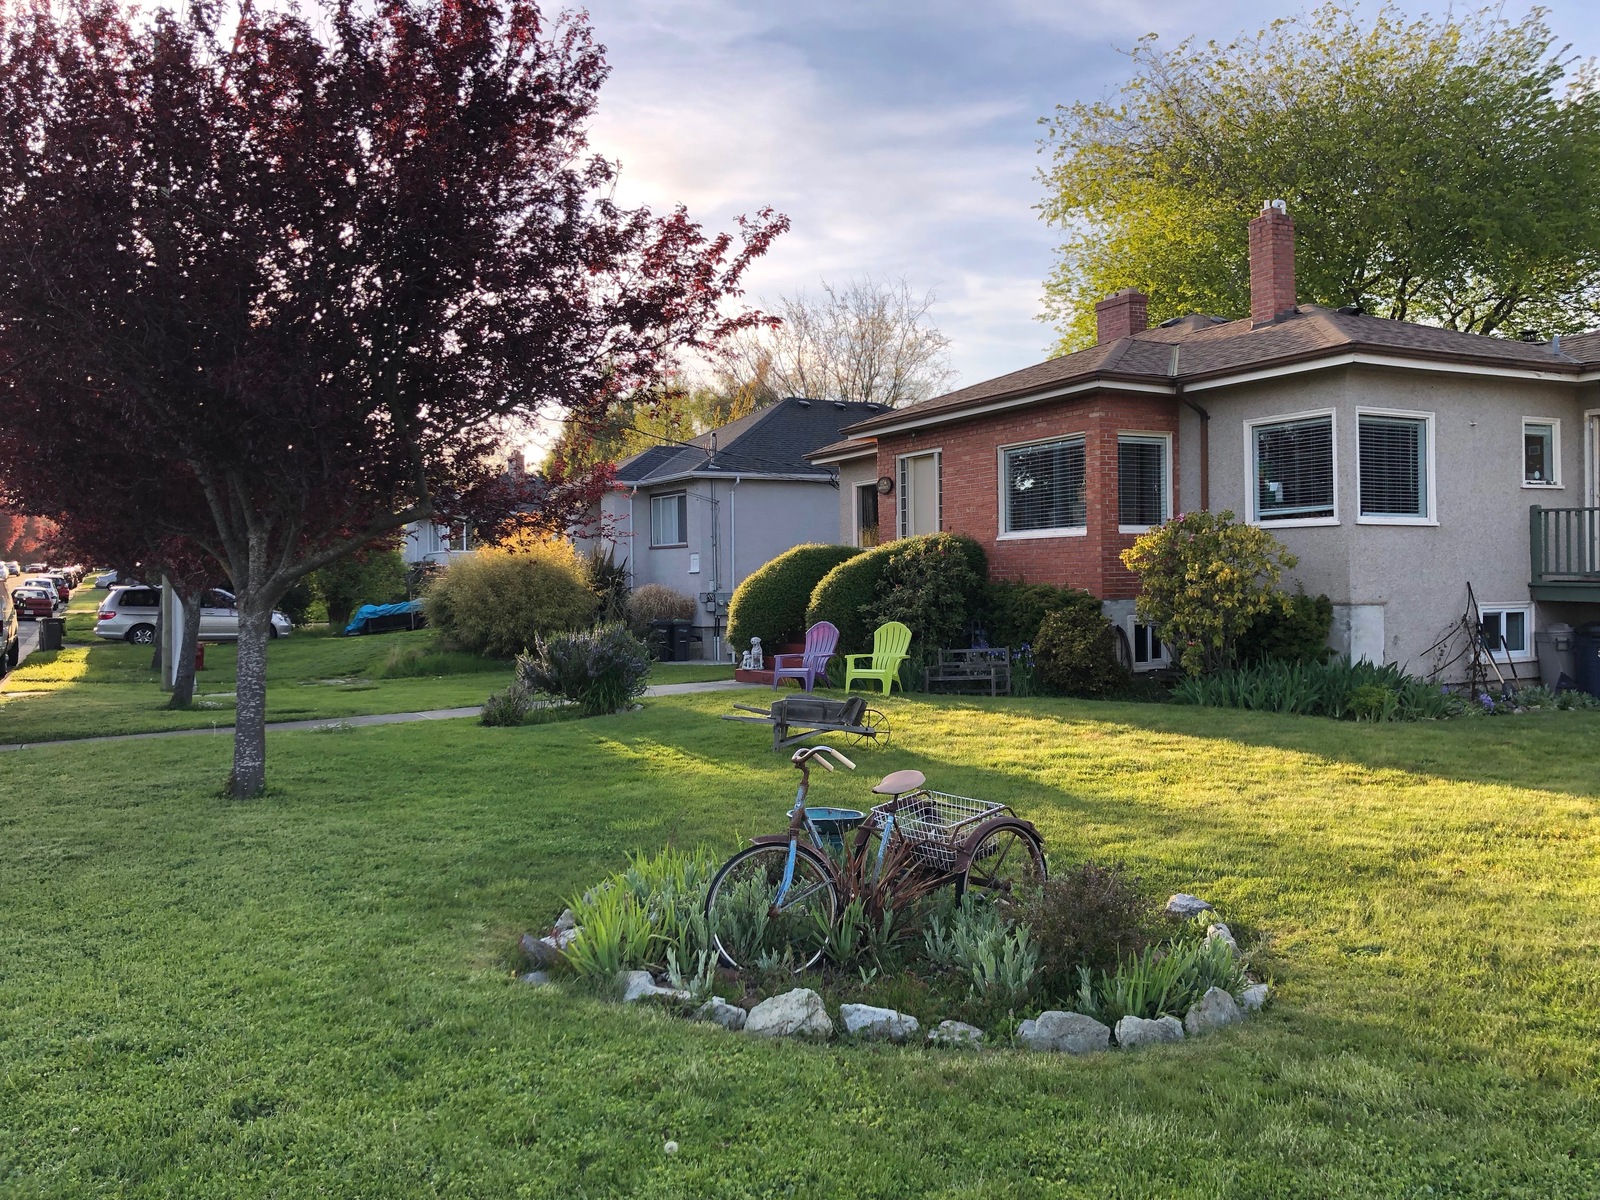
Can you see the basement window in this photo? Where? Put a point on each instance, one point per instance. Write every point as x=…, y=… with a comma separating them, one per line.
x=1507, y=631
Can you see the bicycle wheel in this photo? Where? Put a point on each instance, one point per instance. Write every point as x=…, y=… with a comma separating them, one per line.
x=748, y=923
x=876, y=736
x=1009, y=857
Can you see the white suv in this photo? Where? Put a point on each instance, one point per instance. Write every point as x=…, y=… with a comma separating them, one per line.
x=128, y=614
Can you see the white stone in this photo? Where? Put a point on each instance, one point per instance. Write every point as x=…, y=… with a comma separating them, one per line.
x=638, y=985
x=1221, y=933
x=719, y=1012
x=1212, y=1011
x=798, y=1013
x=1185, y=905
x=866, y=1021
x=955, y=1033
x=535, y=978
x=1137, y=1031
x=1253, y=997
x=1064, y=1032
x=566, y=921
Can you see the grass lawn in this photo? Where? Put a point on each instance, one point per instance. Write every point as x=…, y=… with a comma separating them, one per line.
x=95, y=687
x=311, y=994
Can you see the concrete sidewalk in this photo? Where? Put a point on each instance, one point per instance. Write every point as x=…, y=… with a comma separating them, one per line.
x=437, y=714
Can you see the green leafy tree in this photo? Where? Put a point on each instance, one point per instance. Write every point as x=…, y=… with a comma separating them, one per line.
x=1205, y=578
x=1444, y=170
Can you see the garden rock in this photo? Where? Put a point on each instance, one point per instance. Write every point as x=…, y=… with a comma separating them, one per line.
x=864, y=1020
x=566, y=921
x=1136, y=1031
x=1212, y=1011
x=535, y=978
x=955, y=1033
x=1064, y=1032
x=1221, y=933
x=794, y=1014
x=1187, y=906
x=638, y=985
x=1253, y=997
x=719, y=1012
x=546, y=951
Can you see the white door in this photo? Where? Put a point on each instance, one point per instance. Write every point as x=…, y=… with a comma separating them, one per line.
x=919, y=494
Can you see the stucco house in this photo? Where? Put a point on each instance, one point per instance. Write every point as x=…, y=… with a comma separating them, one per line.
x=701, y=516
x=1399, y=462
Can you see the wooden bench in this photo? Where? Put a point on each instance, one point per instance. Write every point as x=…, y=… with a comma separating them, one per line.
x=968, y=669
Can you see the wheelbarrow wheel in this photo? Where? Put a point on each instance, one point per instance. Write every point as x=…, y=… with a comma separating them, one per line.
x=873, y=731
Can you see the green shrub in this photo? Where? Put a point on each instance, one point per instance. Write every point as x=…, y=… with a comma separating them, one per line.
x=1204, y=579
x=1339, y=689
x=1012, y=612
x=842, y=594
x=608, y=580
x=770, y=603
x=510, y=707
x=1160, y=981
x=1090, y=915
x=500, y=602
x=600, y=670
x=999, y=960
x=656, y=602
x=1076, y=654
x=1295, y=632
x=932, y=585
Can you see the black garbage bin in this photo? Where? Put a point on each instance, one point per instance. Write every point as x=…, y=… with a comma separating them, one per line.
x=1586, y=652
x=683, y=637
x=663, y=641
x=52, y=633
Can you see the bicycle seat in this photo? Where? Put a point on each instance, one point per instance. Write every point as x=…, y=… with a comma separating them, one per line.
x=898, y=783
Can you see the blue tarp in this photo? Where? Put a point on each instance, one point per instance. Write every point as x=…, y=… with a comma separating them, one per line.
x=373, y=612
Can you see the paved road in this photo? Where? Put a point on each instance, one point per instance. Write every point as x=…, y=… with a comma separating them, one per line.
x=436, y=714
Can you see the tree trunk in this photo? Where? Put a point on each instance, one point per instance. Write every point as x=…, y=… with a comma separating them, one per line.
x=188, y=638
x=249, y=777
x=155, y=646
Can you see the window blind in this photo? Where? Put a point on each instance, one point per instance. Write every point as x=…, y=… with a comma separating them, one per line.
x=1045, y=487
x=1141, y=480
x=1294, y=469
x=1393, y=466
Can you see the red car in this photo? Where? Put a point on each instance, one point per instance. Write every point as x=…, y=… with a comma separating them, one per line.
x=33, y=603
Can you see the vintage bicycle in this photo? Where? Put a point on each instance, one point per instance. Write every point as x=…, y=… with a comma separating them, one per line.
x=773, y=900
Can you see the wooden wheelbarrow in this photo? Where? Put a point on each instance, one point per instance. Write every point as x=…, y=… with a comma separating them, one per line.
x=794, y=718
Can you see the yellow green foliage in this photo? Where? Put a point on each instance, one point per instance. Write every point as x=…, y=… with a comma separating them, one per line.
x=1205, y=578
x=498, y=601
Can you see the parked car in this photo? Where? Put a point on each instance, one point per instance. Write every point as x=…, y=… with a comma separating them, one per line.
x=106, y=580
x=15, y=568
x=128, y=614
x=55, y=583
x=33, y=603
x=10, y=632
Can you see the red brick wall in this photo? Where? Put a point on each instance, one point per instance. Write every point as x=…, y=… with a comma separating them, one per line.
x=970, y=485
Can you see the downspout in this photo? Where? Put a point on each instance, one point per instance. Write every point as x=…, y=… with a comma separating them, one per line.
x=1205, y=430
x=716, y=544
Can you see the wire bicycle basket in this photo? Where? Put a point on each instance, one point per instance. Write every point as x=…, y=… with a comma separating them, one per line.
x=934, y=824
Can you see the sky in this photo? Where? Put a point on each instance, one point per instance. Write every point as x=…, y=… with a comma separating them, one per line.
x=901, y=138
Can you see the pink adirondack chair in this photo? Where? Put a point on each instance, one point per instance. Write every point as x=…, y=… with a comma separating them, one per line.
x=821, y=641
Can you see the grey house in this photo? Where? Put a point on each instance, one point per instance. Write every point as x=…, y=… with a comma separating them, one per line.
x=699, y=517
x=1400, y=463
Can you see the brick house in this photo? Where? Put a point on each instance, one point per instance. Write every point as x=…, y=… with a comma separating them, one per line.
x=1400, y=462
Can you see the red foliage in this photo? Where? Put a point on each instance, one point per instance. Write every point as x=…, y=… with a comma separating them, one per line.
x=302, y=268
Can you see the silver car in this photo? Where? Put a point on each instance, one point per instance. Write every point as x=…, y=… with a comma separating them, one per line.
x=128, y=614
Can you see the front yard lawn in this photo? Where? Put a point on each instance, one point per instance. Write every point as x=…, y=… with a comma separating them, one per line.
x=94, y=687
x=311, y=994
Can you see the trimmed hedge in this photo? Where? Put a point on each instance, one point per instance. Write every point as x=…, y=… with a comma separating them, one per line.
x=934, y=586
x=1076, y=653
x=842, y=595
x=1014, y=611
x=770, y=603
x=498, y=603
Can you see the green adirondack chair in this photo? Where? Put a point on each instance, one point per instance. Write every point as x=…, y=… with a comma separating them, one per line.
x=889, y=645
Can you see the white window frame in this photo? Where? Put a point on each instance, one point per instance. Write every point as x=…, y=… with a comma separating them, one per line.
x=1140, y=435
x=655, y=545
x=1430, y=516
x=1153, y=664
x=1528, y=652
x=1591, y=466
x=1252, y=491
x=1555, y=454
x=1023, y=535
x=855, y=511
x=900, y=477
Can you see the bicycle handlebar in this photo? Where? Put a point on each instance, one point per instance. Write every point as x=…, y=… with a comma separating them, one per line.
x=805, y=753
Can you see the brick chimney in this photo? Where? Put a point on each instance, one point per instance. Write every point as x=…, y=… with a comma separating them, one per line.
x=1271, y=264
x=1122, y=315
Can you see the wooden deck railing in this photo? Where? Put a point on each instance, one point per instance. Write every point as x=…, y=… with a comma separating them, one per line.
x=1564, y=545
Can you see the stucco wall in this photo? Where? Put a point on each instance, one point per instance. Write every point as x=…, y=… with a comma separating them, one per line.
x=1412, y=578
